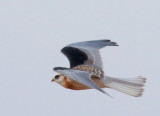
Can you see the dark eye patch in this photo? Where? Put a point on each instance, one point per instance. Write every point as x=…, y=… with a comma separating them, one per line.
x=57, y=76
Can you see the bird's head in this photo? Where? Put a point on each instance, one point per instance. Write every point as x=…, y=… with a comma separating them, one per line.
x=58, y=79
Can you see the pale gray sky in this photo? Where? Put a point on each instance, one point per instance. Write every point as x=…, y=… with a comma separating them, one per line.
x=32, y=33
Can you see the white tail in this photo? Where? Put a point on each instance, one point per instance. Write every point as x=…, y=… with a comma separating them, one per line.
x=130, y=86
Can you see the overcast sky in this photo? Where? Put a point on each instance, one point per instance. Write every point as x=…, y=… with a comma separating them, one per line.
x=32, y=32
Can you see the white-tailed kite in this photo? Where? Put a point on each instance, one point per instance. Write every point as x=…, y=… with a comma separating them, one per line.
x=86, y=70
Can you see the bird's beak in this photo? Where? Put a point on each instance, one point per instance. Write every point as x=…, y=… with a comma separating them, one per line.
x=52, y=80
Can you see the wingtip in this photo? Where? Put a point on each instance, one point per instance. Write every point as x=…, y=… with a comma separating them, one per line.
x=109, y=95
x=114, y=44
x=106, y=93
x=55, y=68
x=110, y=43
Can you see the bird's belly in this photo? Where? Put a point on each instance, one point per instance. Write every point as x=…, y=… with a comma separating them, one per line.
x=71, y=84
x=75, y=85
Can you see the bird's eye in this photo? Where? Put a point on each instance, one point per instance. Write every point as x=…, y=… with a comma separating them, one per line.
x=57, y=76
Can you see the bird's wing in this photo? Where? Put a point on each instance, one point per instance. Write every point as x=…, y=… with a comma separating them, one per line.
x=79, y=76
x=86, y=52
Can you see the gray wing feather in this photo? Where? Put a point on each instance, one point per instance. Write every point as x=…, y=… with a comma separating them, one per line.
x=91, y=48
x=81, y=77
x=93, y=56
x=96, y=44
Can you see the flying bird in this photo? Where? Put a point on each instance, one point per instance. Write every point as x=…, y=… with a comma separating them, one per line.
x=86, y=70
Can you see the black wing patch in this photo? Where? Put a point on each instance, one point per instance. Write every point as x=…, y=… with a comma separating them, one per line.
x=75, y=56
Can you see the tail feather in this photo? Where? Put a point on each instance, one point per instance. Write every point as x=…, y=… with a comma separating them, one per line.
x=131, y=86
